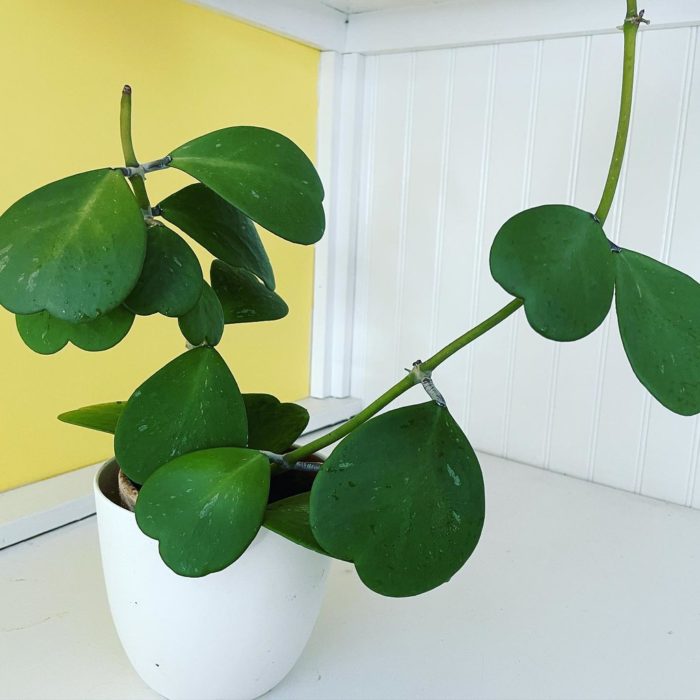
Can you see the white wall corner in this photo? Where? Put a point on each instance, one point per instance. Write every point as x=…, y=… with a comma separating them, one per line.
x=459, y=23
x=312, y=23
x=341, y=83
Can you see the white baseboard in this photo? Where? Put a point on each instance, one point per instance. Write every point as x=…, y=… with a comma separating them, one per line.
x=31, y=510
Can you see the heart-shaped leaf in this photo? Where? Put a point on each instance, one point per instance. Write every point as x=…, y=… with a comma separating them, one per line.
x=46, y=335
x=558, y=260
x=73, y=248
x=102, y=416
x=205, y=508
x=171, y=280
x=204, y=323
x=290, y=518
x=243, y=297
x=658, y=311
x=263, y=174
x=193, y=403
x=223, y=230
x=273, y=426
x=402, y=497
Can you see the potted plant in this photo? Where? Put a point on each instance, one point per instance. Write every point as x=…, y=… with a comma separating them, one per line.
x=216, y=580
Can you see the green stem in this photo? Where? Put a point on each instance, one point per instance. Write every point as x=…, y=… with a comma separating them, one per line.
x=630, y=32
x=623, y=125
x=130, y=160
x=404, y=384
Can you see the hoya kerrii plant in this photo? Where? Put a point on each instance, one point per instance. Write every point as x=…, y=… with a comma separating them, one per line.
x=402, y=495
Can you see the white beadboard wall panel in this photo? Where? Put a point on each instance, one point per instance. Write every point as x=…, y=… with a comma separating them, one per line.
x=454, y=142
x=461, y=219
x=504, y=190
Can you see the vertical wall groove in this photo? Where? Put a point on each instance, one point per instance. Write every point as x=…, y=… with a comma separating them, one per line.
x=524, y=203
x=405, y=178
x=444, y=169
x=481, y=217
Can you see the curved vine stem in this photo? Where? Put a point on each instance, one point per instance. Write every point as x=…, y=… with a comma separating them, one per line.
x=630, y=28
x=130, y=160
x=404, y=384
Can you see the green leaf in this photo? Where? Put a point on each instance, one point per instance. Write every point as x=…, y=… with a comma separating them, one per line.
x=46, y=335
x=290, y=518
x=273, y=426
x=193, y=403
x=73, y=248
x=205, y=508
x=223, y=230
x=204, y=323
x=263, y=174
x=102, y=416
x=402, y=497
x=171, y=280
x=243, y=297
x=558, y=260
x=658, y=311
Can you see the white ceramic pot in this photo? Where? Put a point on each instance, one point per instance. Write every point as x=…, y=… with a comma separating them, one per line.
x=232, y=635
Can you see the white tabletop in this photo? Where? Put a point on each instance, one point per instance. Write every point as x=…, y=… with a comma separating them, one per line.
x=575, y=591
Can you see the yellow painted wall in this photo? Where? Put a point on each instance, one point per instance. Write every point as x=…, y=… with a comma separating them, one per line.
x=62, y=66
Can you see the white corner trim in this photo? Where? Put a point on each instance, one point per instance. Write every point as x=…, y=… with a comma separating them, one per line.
x=477, y=22
x=31, y=510
x=311, y=23
x=34, y=509
x=341, y=81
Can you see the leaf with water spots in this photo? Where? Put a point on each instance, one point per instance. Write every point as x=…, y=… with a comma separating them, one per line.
x=193, y=403
x=223, y=230
x=73, y=248
x=204, y=322
x=261, y=173
x=46, y=334
x=205, y=508
x=658, y=312
x=558, y=260
x=171, y=280
x=402, y=497
x=244, y=298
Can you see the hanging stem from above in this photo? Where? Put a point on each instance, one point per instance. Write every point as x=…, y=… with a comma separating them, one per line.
x=130, y=160
x=630, y=29
x=631, y=25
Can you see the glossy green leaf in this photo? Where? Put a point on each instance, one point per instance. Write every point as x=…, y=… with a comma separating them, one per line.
x=243, y=297
x=205, y=508
x=102, y=416
x=402, y=497
x=558, y=260
x=658, y=311
x=171, y=280
x=290, y=518
x=222, y=229
x=193, y=403
x=263, y=174
x=73, y=248
x=273, y=426
x=46, y=335
x=204, y=323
